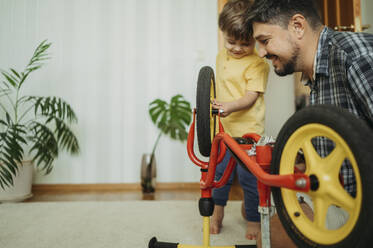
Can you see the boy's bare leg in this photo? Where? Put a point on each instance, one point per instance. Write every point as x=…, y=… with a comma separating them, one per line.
x=217, y=217
x=243, y=210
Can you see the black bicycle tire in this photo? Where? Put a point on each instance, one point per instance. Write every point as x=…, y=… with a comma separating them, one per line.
x=205, y=78
x=359, y=138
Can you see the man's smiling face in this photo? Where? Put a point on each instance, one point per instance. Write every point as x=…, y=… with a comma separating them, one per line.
x=278, y=45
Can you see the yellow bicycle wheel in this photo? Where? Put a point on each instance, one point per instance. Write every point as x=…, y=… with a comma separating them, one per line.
x=332, y=147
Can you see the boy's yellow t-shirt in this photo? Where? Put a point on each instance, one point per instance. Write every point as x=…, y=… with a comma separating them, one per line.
x=233, y=78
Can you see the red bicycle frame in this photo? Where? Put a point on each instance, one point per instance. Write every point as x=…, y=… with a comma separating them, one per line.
x=258, y=165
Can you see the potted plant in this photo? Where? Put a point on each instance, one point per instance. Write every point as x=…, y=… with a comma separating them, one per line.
x=172, y=119
x=34, y=126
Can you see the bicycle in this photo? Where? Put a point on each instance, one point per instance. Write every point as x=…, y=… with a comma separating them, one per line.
x=274, y=165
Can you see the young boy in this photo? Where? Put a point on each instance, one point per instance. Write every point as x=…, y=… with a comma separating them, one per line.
x=241, y=79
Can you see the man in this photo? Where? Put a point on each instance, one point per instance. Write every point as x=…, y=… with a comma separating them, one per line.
x=338, y=66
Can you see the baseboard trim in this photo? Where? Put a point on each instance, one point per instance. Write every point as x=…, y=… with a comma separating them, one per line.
x=178, y=186
x=110, y=187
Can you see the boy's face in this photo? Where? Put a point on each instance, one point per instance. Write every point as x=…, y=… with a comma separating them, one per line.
x=237, y=48
x=278, y=45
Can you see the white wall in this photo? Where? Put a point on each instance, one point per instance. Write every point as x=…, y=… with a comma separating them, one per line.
x=109, y=60
x=366, y=16
x=280, y=102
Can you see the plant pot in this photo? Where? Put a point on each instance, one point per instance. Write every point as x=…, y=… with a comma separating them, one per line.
x=148, y=173
x=21, y=189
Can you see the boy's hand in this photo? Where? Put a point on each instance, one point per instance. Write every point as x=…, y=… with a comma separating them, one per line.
x=242, y=103
x=223, y=106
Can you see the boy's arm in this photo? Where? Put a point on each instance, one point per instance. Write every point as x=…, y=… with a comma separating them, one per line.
x=242, y=103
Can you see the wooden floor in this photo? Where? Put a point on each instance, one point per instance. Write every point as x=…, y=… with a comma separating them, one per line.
x=126, y=195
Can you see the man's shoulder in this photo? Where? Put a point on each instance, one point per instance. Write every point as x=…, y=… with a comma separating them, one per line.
x=353, y=44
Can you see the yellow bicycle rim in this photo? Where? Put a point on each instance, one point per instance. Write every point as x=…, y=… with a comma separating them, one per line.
x=330, y=191
x=213, y=130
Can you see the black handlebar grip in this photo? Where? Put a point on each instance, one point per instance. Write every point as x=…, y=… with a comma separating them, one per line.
x=214, y=111
x=217, y=111
x=153, y=243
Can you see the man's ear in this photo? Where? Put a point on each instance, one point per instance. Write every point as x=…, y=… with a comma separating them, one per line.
x=297, y=25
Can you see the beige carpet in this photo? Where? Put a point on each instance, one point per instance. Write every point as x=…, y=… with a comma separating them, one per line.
x=126, y=224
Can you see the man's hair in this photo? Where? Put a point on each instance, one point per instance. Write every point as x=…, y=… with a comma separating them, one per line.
x=233, y=19
x=281, y=11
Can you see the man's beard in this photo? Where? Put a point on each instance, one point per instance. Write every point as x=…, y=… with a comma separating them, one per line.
x=289, y=67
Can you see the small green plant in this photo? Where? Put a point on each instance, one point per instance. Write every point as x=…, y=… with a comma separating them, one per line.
x=171, y=119
x=41, y=123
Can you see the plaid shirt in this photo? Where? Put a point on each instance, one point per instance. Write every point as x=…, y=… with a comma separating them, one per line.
x=344, y=77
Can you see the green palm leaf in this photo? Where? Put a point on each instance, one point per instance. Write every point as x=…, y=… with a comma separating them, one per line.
x=10, y=79
x=65, y=137
x=11, y=151
x=40, y=55
x=51, y=107
x=45, y=146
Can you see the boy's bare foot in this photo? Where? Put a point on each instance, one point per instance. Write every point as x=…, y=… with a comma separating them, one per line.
x=217, y=219
x=253, y=228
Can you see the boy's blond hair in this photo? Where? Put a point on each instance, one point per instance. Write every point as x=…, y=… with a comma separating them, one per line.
x=233, y=19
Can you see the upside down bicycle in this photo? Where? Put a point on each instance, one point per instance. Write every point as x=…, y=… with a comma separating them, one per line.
x=274, y=165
